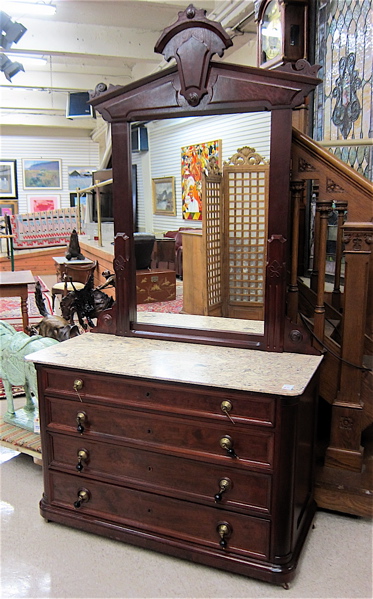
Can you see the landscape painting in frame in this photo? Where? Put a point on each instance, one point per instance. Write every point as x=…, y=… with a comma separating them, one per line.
x=8, y=208
x=42, y=174
x=42, y=203
x=80, y=176
x=8, y=179
x=164, y=196
x=194, y=159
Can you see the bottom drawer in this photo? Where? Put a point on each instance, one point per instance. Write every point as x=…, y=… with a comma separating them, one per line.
x=167, y=517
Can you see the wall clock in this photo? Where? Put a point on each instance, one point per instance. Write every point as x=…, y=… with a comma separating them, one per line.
x=282, y=31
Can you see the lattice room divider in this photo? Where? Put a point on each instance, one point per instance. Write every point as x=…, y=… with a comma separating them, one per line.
x=235, y=225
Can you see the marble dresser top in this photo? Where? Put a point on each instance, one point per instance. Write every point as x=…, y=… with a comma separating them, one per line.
x=231, y=368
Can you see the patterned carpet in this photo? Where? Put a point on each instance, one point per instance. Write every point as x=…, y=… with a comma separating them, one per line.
x=173, y=307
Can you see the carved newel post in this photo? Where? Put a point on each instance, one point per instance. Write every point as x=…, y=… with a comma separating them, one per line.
x=345, y=450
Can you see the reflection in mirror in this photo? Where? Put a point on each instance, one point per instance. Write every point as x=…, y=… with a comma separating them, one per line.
x=218, y=294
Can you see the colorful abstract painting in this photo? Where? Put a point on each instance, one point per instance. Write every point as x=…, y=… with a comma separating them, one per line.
x=194, y=160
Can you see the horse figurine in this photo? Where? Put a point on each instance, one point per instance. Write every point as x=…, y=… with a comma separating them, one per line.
x=15, y=370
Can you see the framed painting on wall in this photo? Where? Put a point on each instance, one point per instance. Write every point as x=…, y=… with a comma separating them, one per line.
x=8, y=179
x=80, y=176
x=164, y=201
x=194, y=159
x=8, y=208
x=42, y=203
x=42, y=174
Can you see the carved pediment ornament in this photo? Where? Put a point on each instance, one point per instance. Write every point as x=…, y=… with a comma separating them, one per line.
x=246, y=156
x=302, y=67
x=333, y=187
x=193, y=35
x=304, y=166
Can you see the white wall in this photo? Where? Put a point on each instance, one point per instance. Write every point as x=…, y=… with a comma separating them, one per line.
x=71, y=151
x=167, y=137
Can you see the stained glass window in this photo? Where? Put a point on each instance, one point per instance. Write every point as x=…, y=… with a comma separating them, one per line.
x=343, y=102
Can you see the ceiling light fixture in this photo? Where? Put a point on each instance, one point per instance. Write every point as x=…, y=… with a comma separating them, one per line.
x=11, y=32
x=9, y=68
x=29, y=61
x=29, y=7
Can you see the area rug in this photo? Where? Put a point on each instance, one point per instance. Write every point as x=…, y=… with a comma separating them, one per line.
x=17, y=391
x=172, y=307
x=20, y=439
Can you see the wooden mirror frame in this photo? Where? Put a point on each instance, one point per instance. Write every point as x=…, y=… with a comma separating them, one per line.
x=197, y=86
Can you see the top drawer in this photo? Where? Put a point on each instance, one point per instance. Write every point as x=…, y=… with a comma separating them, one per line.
x=178, y=399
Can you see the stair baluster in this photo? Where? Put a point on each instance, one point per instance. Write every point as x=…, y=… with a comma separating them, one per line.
x=340, y=207
x=297, y=192
x=323, y=208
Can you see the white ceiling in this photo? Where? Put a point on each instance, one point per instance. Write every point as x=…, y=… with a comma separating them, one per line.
x=91, y=41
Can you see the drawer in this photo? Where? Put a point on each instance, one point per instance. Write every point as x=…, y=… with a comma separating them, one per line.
x=250, y=445
x=163, y=516
x=168, y=397
x=189, y=479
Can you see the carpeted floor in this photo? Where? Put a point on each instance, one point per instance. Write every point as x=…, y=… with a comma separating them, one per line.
x=173, y=307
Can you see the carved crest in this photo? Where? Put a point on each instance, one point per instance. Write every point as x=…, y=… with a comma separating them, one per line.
x=302, y=67
x=360, y=240
x=192, y=41
x=246, y=156
x=212, y=168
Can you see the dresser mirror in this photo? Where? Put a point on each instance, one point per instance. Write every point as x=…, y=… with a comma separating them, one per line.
x=186, y=91
x=229, y=293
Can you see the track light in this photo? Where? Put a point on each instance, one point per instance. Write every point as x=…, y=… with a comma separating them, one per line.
x=9, y=68
x=11, y=32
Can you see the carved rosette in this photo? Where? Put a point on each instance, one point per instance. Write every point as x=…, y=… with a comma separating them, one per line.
x=192, y=41
x=246, y=156
x=275, y=270
x=346, y=423
x=119, y=264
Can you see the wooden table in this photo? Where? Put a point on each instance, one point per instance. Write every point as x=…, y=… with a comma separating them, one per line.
x=61, y=263
x=14, y=284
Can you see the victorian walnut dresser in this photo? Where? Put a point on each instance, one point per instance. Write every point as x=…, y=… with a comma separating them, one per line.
x=201, y=452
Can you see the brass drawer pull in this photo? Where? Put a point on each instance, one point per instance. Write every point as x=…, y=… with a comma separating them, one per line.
x=83, y=496
x=78, y=386
x=81, y=417
x=224, y=485
x=224, y=530
x=226, y=407
x=227, y=444
x=82, y=457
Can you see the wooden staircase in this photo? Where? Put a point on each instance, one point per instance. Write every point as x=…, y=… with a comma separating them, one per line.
x=339, y=319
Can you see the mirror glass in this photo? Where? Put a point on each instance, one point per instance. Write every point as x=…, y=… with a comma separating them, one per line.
x=221, y=285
